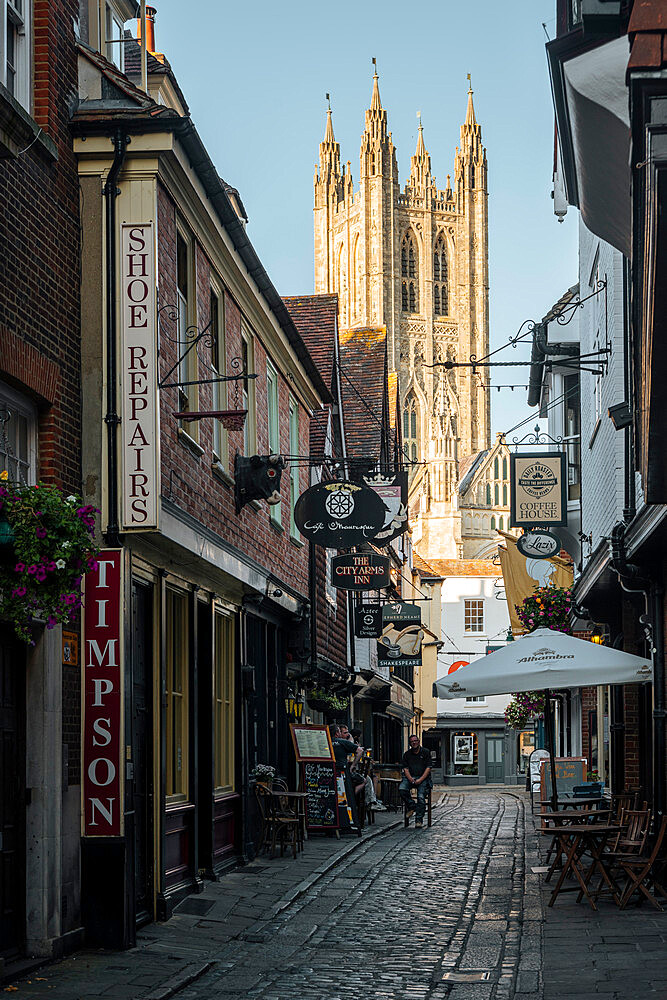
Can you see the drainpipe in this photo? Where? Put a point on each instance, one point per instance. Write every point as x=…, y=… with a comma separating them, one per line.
x=657, y=598
x=112, y=420
x=630, y=499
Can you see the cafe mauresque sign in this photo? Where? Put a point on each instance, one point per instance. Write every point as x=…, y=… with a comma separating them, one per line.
x=140, y=425
x=360, y=572
x=538, y=494
x=102, y=692
x=339, y=515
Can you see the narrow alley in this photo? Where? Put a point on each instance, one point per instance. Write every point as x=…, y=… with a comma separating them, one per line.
x=451, y=911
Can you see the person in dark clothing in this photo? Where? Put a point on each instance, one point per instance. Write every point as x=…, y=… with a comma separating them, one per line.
x=342, y=748
x=416, y=774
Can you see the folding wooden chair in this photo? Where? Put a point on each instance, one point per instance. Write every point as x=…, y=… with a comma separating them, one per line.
x=640, y=872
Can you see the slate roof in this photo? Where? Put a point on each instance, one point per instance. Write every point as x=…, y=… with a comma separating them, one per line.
x=468, y=467
x=363, y=365
x=315, y=317
x=464, y=567
x=156, y=63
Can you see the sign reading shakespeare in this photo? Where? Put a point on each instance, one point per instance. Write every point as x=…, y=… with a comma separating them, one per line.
x=101, y=682
x=538, y=496
x=140, y=426
x=360, y=571
x=402, y=635
x=339, y=515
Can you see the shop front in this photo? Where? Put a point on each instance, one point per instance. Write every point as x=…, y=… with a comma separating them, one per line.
x=477, y=751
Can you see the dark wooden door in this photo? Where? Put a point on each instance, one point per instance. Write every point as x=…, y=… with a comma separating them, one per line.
x=142, y=746
x=494, y=759
x=12, y=797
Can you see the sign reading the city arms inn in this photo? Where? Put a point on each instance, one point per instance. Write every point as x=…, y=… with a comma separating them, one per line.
x=140, y=427
x=538, y=494
x=102, y=696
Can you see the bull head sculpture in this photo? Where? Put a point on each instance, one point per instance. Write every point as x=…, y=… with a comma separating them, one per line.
x=257, y=478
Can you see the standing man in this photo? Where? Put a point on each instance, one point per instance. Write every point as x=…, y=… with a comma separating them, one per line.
x=416, y=774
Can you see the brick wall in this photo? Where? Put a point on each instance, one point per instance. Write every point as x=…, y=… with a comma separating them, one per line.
x=331, y=619
x=39, y=278
x=188, y=479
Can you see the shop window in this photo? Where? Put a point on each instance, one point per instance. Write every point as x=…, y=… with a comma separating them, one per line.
x=273, y=428
x=177, y=685
x=473, y=615
x=463, y=754
x=219, y=368
x=224, y=762
x=18, y=436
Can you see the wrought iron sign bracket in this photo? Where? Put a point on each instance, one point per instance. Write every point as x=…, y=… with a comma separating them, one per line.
x=537, y=437
x=194, y=336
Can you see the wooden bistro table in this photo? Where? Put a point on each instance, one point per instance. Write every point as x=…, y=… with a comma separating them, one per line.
x=574, y=840
x=567, y=817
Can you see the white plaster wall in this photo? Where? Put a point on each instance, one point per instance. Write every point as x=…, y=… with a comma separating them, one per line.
x=462, y=645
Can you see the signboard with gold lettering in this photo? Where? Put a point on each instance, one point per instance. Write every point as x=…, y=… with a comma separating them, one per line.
x=140, y=424
x=538, y=495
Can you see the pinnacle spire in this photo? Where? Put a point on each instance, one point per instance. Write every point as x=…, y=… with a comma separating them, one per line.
x=376, y=103
x=329, y=133
x=421, y=148
x=470, y=111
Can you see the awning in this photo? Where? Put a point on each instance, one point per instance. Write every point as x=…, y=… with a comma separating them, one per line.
x=592, y=114
x=543, y=660
x=376, y=687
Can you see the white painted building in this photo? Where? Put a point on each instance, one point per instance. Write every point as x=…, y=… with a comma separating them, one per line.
x=472, y=743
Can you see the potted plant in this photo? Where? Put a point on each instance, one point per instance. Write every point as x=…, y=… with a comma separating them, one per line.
x=329, y=704
x=263, y=774
x=46, y=545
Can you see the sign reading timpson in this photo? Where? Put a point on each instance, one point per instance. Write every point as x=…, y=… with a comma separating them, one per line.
x=538, y=494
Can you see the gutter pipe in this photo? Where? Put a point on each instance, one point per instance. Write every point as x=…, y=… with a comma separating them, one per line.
x=111, y=419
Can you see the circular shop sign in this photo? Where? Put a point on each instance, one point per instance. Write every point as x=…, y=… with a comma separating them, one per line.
x=538, y=480
x=339, y=515
x=539, y=544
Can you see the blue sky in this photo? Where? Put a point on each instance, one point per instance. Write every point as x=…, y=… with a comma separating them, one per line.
x=255, y=76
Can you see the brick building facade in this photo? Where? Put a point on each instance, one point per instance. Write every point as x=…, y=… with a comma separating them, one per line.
x=39, y=439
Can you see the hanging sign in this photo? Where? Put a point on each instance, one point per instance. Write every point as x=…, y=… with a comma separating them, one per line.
x=360, y=571
x=339, y=515
x=368, y=621
x=393, y=491
x=538, y=495
x=140, y=423
x=401, y=641
x=101, y=683
x=539, y=544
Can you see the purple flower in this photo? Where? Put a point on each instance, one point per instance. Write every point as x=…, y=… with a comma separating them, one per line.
x=51, y=566
x=32, y=570
x=40, y=532
x=19, y=592
x=19, y=568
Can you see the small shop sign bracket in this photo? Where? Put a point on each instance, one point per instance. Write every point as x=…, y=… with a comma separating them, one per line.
x=192, y=338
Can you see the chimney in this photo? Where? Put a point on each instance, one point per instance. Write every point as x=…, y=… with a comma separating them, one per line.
x=150, y=28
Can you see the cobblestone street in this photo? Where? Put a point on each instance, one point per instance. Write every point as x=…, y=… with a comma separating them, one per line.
x=451, y=911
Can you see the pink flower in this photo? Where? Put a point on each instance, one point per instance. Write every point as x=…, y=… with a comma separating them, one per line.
x=32, y=570
x=19, y=568
x=40, y=532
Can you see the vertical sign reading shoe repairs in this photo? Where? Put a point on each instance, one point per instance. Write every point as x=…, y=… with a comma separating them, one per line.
x=140, y=426
x=102, y=697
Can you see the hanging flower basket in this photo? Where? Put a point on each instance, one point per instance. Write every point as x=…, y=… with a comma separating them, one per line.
x=233, y=420
x=46, y=546
x=547, y=607
x=523, y=708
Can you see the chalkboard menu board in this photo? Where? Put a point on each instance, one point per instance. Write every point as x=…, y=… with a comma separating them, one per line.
x=570, y=771
x=319, y=783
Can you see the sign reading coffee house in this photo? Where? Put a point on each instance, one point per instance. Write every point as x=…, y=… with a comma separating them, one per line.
x=538, y=495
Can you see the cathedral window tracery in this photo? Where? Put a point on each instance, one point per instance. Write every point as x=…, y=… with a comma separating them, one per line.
x=440, y=279
x=409, y=274
x=411, y=427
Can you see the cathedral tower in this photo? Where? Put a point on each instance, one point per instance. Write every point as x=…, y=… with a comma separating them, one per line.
x=416, y=261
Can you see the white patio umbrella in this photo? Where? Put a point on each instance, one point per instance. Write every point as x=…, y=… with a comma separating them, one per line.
x=544, y=660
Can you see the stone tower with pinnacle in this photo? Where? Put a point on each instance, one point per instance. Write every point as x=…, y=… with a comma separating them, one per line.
x=416, y=261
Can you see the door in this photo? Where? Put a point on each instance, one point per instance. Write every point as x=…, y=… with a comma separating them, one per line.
x=142, y=743
x=495, y=770
x=12, y=798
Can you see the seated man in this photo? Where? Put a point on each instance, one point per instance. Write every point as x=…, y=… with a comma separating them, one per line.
x=416, y=774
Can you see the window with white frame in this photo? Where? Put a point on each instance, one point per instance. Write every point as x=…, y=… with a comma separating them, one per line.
x=473, y=615
x=273, y=427
x=114, y=35
x=248, y=392
x=219, y=368
x=294, y=464
x=476, y=700
x=18, y=436
x=16, y=50
x=187, y=366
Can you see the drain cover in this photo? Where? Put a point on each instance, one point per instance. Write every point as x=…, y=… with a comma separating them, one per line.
x=195, y=907
x=466, y=977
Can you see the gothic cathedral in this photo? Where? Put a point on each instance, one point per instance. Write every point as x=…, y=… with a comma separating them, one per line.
x=416, y=262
